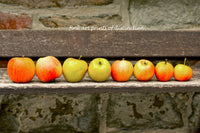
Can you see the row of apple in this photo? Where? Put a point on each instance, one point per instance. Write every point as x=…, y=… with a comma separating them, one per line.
x=23, y=69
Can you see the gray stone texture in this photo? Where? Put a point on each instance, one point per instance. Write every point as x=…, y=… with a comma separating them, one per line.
x=133, y=111
x=55, y=3
x=67, y=16
x=49, y=113
x=100, y=113
x=194, y=119
x=96, y=21
x=135, y=14
x=179, y=130
x=165, y=14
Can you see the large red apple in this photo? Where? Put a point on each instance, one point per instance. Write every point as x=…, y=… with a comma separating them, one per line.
x=21, y=69
x=121, y=70
x=143, y=70
x=48, y=68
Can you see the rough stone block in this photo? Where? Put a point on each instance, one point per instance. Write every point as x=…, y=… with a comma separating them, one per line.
x=97, y=21
x=136, y=111
x=162, y=14
x=55, y=3
x=49, y=113
x=194, y=119
x=12, y=21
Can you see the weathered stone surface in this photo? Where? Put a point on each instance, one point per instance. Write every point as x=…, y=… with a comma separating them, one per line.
x=55, y=3
x=1, y=98
x=177, y=130
x=194, y=119
x=12, y=21
x=136, y=111
x=86, y=113
x=97, y=21
x=60, y=86
x=139, y=14
x=196, y=64
x=104, y=15
x=183, y=103
x=49, y=113
x=162, y=14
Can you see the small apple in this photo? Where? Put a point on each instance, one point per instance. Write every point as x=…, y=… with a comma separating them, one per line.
x=182, y=72
x=48, y=68
x=164, y=71
x=21, y=69
x=74, y=69
x=99, y=69
x=143, y=70
x=121, y=70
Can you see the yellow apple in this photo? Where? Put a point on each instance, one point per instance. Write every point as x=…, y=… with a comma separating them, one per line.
x=99, y=69
x=74, y=69
x=183, y=72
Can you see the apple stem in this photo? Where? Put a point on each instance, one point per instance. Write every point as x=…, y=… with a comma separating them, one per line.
x=23, y=56
x=123, y=58
x=100, y=63
x=185, y=61
x=145, y=63
x=80, y=57
x=165, y=61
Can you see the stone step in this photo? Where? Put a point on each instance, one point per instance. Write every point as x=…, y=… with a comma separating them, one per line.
x=60, y=86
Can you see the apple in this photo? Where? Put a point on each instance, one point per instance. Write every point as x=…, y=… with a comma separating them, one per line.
x=21, y=69
x=121, y=70
x=182, y=72
x=48, y=68
x=74, y=69
x=164, y=71
x=99, y=69
x=143, y=70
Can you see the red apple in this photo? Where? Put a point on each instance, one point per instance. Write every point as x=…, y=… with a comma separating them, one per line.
x=48, y=68
x=21, y=69
x=182, y=72
x=143, y=70
x=164, y=71
x=121, y=70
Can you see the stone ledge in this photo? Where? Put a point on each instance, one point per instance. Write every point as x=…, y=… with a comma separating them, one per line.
x=60, y=86
x=102, y=43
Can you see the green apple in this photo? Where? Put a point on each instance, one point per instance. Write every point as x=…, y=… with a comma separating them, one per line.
x=74, y=69
x=99, y=69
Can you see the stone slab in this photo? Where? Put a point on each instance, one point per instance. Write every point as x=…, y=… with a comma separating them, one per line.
x=103, y=43
x=60, y=86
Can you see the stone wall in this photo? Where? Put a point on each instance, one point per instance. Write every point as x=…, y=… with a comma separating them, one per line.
x=103, y=113
x=100, y=113
x=136, y=14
